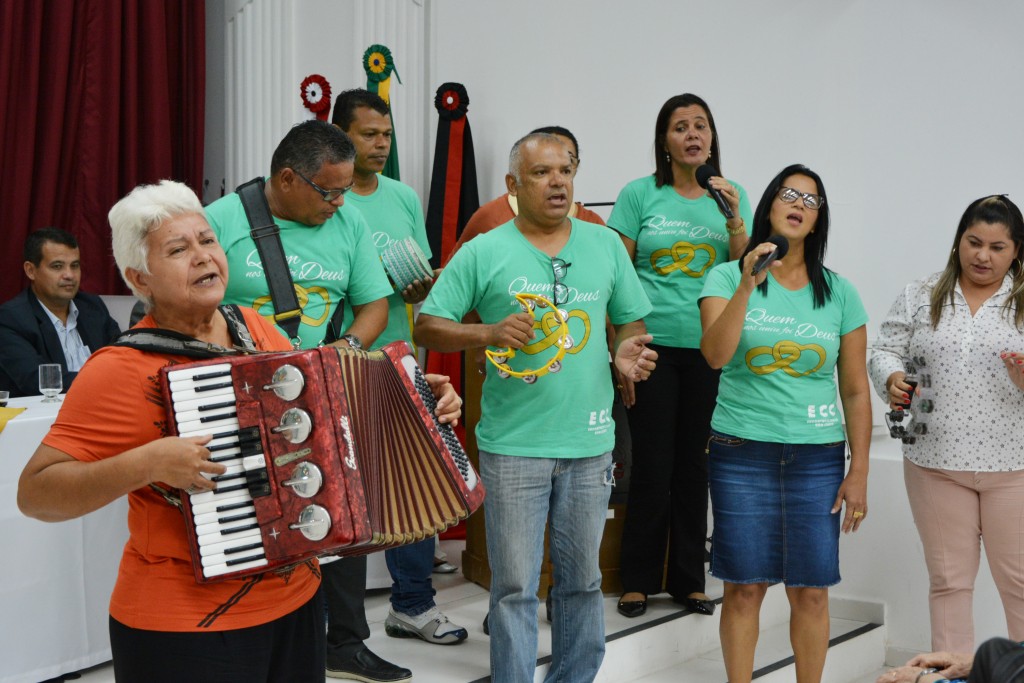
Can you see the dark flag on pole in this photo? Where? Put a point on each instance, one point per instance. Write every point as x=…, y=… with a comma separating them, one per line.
x=453, y=193
x=453, y=199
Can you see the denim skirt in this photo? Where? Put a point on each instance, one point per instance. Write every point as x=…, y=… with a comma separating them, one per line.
x=772, y=507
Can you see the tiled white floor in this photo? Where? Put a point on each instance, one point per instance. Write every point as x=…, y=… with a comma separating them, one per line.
x=465, y=603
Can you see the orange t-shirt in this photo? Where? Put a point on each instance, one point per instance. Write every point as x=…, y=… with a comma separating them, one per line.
x=115, y=405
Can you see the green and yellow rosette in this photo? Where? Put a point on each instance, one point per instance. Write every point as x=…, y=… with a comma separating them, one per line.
x=379, y=65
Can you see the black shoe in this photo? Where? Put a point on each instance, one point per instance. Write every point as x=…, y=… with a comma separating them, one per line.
x=369, y=668
x=697, y=605
x=634, y=608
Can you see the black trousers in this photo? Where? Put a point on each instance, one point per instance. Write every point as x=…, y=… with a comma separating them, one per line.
x=288, y=649
x=344, y=590
x=668, y=486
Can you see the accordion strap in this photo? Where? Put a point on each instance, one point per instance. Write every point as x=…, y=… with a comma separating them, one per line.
x=159, y=340
x=267, y=236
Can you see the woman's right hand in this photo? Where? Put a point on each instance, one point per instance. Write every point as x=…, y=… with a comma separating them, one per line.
x=183, y=462
x=899, y=391
x=751, y=281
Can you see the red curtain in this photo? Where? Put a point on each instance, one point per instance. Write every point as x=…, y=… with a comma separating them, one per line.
x=98, y=96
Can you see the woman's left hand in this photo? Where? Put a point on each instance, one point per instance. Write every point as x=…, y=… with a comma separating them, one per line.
x=449, y=405
x=625, y=386
x=728, y=192
x=854, y=491
x=1014, y=363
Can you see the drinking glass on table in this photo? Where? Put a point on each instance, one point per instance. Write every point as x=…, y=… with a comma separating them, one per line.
x=4, y=395
x=51, y=382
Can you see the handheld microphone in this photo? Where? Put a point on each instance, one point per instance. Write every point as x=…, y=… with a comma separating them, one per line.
x=704, y=173
x=781, y=247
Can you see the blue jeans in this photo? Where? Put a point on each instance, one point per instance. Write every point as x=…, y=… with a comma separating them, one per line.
x=522, y=493
x=410, y=566
x=772, y=505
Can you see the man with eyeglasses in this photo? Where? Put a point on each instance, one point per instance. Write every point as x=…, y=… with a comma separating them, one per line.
x=545, y=434
x=333, y=262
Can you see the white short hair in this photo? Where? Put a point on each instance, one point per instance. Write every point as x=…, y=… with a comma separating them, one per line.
x=141, y=211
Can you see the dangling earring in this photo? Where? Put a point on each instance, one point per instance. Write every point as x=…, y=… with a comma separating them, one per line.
x=668, y=157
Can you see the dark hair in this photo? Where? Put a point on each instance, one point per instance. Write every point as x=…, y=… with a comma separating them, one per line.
x=995, y=208
x=564, y=132
x=662, y=166
x=815, y=243
x=346, y=103
x=33, y=252
x=309, y=145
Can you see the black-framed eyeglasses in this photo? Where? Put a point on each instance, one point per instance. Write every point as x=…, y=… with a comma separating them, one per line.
x=328, y=195
x=559, y=291
x=811, y=201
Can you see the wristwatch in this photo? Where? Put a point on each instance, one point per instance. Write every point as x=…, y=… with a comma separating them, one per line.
x=926, y=672
x=353, y=341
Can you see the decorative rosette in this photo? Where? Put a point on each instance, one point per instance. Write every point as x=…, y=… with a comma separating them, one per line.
x=316, y=95
x=451, y=101
x=378, y=64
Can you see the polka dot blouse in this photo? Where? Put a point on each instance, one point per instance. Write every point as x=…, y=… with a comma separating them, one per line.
x=976, y=422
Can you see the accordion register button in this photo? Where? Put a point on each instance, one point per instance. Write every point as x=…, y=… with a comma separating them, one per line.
x=306, y=480
x=287, y=382
x=296, y=425
x=314, y=522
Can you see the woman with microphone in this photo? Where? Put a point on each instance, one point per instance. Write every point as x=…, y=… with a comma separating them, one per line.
x=675, y=232
x=779, y=328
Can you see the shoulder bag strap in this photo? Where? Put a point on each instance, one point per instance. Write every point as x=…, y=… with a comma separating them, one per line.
x=160, y=340
x=267, y=236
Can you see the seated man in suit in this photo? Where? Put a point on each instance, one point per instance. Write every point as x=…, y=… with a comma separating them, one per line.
x=51, y=321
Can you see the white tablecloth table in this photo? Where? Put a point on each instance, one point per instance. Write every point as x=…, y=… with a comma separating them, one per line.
x=57, y=578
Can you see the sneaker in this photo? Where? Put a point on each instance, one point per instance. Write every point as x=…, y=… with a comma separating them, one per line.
x=444, y=567
x=369, y=668
x=432, y=626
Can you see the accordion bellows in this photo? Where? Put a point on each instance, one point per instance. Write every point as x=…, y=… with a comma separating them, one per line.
x=329, y=451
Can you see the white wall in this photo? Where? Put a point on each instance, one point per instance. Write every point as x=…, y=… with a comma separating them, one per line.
x=909, y=110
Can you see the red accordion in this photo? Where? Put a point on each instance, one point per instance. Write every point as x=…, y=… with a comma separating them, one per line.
x=329, y=452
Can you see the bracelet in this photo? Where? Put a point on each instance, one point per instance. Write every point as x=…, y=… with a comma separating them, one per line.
x=741, y=229
x=925, y=672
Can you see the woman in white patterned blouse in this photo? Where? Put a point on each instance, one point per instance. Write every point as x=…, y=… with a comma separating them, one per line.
x=962, y=331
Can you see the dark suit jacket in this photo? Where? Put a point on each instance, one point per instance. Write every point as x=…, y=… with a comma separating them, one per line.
x=27, y=339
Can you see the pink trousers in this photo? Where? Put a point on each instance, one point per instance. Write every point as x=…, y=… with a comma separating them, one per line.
x=954, y=512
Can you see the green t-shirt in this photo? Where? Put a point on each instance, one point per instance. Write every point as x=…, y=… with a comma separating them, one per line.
x=780, y=384
x=678, y=242
x=564, y=414
x=393, y=213
x=332, y=262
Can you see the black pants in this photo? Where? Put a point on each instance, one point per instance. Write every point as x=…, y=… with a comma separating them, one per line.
x=668, y=485
x=344, y=589
x=290, y=648
x=998, y=660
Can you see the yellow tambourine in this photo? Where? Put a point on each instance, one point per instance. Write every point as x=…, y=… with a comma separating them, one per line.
x=500, y=357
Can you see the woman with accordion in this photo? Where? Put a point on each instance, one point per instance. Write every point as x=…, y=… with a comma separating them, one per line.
x=111, y=439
